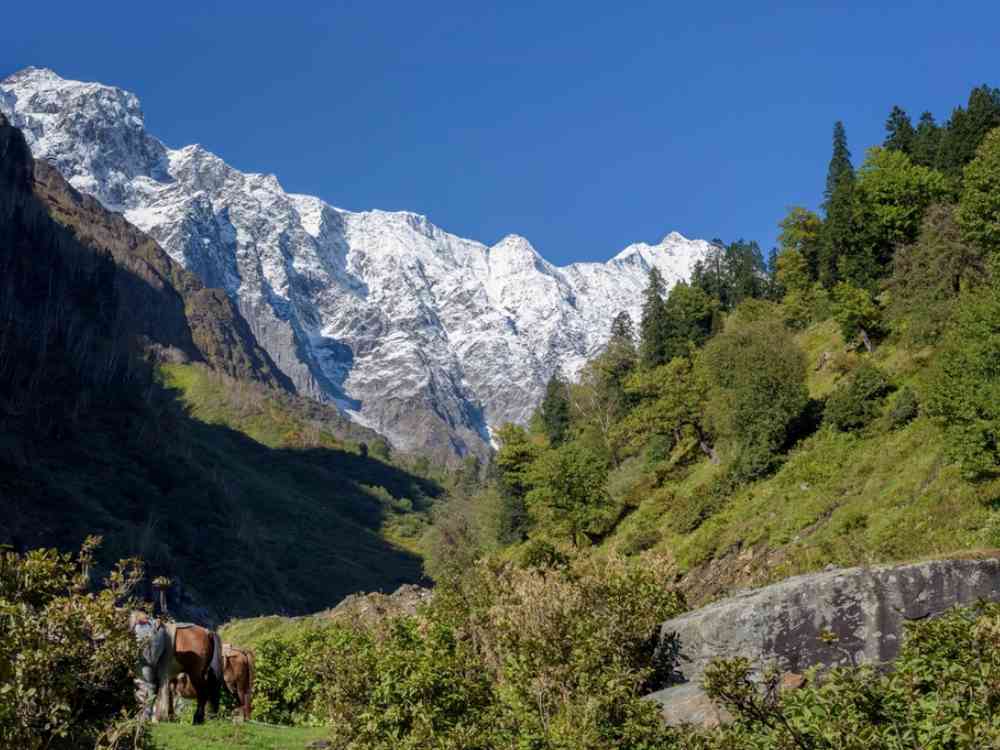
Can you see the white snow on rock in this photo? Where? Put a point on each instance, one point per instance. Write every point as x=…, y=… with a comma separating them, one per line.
x=430, y=338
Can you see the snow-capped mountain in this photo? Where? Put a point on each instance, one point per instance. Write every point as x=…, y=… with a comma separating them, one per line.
x=427, y=337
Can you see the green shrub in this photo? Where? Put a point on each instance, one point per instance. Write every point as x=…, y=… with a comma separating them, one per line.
x=905, y=408
x=942, y=693
x=541, y=553
x=569, y=492
x=757, y=389
x=964, y=382
x=67, y=659
x=288, y=672
x=858, y=400
x=685, y=513
x=502, y=657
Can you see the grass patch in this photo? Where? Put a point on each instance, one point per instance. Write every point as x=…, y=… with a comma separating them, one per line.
x=225, y=734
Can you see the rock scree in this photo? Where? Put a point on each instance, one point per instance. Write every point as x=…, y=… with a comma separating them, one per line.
x=832, y=618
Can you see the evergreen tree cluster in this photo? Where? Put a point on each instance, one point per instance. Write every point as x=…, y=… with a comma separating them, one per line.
x=731, y=273
x=949, y=147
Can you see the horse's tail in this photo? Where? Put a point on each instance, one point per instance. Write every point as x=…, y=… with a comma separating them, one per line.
x=217, y=656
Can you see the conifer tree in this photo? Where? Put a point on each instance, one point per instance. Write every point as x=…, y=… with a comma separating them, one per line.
x=967, y=128
x=899, y=131
x=555, y=410
x=709, y=273
x=838, y=206
x=653, y=329
x=622, y=331
x=840, y=162
x=746, y=271
x=689, y=319
x=617, y=362
x=926, y=141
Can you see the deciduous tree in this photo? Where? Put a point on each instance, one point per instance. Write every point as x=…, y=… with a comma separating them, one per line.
x=979, y=206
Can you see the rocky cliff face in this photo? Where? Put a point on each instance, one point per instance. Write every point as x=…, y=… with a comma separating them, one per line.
x=169, y=307
x=429, y=338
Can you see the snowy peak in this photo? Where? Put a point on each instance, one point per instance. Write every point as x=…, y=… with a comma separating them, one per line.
x=428, y=337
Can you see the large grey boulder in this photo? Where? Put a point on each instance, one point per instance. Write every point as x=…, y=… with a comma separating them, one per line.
x=789, y=624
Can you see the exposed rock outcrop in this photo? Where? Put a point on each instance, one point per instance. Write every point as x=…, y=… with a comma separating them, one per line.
x=836, y=617
x=374, y=607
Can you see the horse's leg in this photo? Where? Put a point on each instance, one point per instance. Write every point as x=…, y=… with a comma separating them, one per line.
x=201, y=691
x=161, y=711
x=245, y=703
x=170, y=700
x=214, y=691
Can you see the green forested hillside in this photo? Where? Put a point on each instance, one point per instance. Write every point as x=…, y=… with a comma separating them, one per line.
x=833, y=404
x=146, y=413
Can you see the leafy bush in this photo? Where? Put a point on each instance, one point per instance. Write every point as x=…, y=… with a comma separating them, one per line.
x=858, y=400
x=287, y=672
x=503, y=656
x=756, y=375
x=67, y=659
x=857, y=314
x=942, y=693
x=685, y=513
x=929, y=275
x=905, y=408
x=979, y=207
x=963, y=388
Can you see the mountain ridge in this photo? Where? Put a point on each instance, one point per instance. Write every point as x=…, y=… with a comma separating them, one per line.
x=430, y=338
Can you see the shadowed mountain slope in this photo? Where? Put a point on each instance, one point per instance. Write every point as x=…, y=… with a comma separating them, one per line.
x=92, y=439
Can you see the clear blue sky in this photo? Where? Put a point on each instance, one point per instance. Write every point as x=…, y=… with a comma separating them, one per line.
x=582, y=125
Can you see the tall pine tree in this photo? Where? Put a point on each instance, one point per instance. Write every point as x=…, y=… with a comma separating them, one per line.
x=654, y=328
x=838, y=206
x=926, y=141
x=555, y=410
x=617, y=362
x=840, y=162
x=746, y=271
x=899, y=132
x=622, y=331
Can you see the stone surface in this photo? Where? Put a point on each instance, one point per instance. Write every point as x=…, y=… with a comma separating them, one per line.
x=688, y=704
x=865, y=609
x=792, y=681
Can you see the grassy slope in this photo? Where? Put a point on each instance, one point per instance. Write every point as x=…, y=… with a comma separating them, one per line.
x=225, y=734
x=282, y=421
x=249, y=632
x=880, y=496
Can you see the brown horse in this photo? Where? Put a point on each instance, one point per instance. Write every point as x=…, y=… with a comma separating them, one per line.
x=238, y=665
x=171, y=648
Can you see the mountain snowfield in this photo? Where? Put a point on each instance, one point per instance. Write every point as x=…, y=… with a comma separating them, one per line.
x=429, y=338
